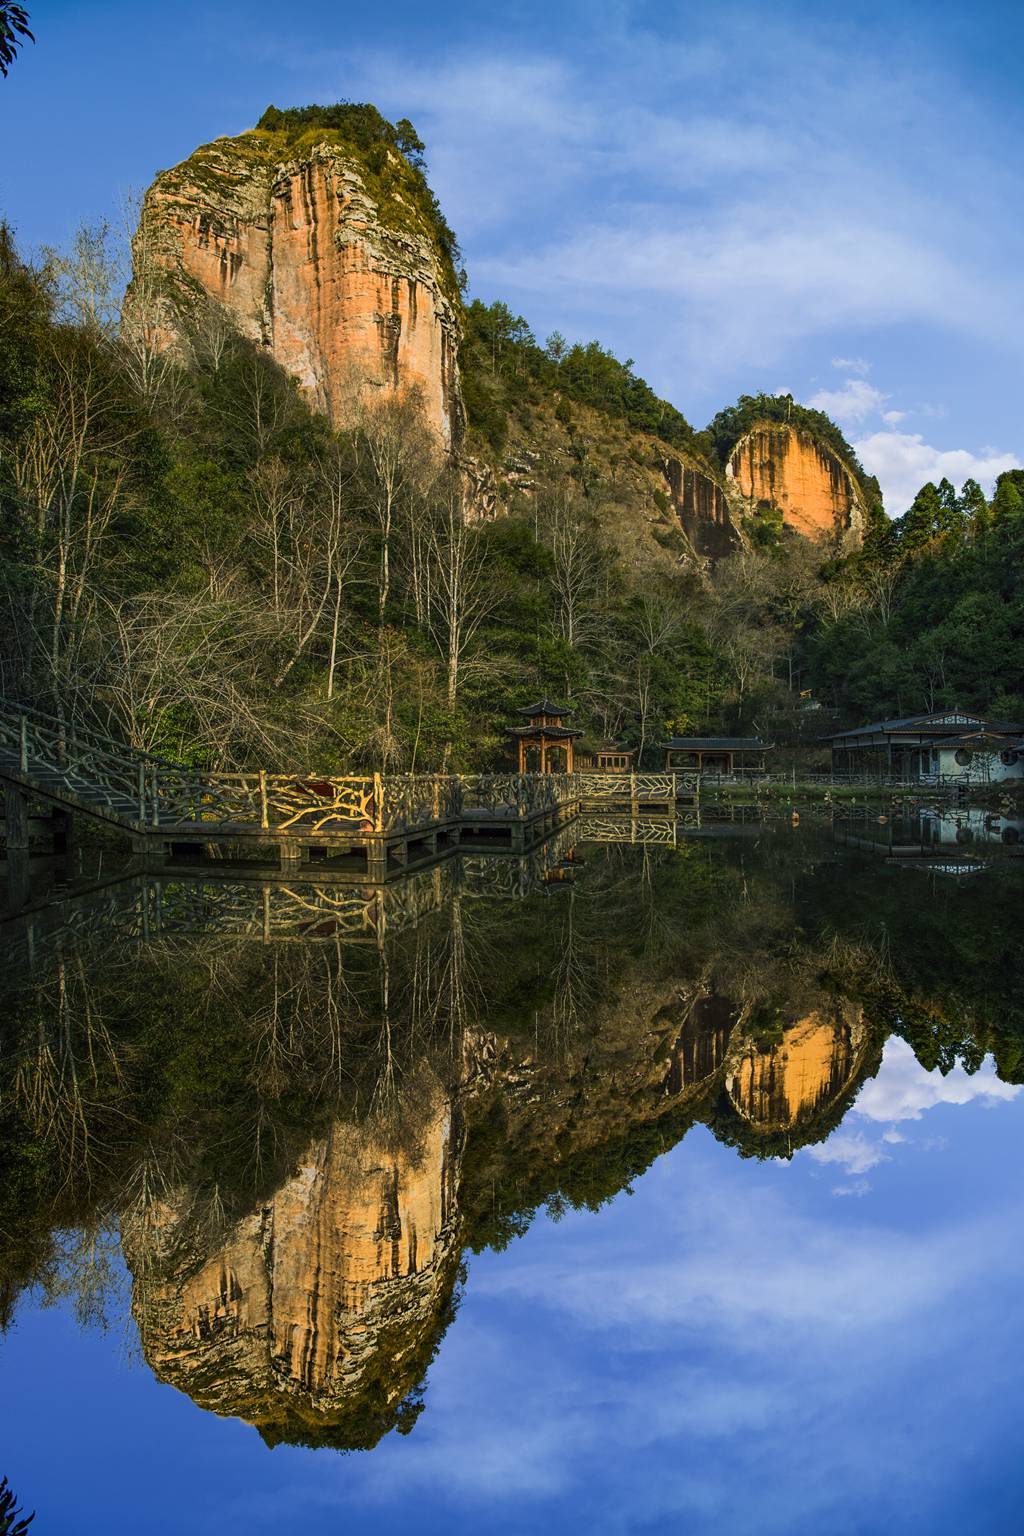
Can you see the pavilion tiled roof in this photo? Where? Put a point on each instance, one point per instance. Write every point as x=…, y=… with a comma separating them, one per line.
x=550, y=732
x=716, y=744
x=924, y=725
x=545, y=707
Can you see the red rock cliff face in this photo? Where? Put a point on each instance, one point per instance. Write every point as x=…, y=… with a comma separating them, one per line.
x=299, y=256
x=777, y=466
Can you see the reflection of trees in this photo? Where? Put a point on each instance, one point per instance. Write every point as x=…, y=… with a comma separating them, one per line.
x=172, y=1091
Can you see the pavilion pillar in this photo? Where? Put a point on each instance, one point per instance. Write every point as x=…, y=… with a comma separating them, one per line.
x=568, y=756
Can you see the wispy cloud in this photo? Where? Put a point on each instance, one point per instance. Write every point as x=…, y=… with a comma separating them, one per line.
x=851, y=1149
x=745, y=1321
x=706, y=226
x=854, y=403
x=858, y=365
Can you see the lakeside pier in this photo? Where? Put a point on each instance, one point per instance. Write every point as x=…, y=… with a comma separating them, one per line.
x=371, y=826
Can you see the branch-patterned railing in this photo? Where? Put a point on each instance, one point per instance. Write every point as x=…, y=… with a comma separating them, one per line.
x=151, y=793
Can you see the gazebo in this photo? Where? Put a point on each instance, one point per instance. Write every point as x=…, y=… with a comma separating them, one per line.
x=546, y=737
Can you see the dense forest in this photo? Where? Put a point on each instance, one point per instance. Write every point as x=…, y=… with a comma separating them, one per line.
x=194, y=561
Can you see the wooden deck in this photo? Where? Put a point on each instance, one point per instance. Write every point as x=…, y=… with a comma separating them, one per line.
x=373, y=825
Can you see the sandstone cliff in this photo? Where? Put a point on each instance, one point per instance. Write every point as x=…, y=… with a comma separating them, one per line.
x=325, y=257
x=702, y=508
x=786, y=470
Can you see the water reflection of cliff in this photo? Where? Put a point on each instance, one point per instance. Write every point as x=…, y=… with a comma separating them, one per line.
x=315, y=1315
x=315, y=1132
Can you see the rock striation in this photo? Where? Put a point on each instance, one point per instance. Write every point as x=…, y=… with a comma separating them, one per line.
x=703, y=509
x=306, y=252
x=784, y=469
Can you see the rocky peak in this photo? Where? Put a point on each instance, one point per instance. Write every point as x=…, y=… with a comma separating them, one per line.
x=320, y=253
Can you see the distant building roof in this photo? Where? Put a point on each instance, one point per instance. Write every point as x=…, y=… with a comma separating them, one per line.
x=938, y=723
x=716, y=744
x=978, y=738
x=545, y=707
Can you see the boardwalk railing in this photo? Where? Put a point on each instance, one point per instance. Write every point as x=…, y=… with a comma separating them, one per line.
x=88, y=769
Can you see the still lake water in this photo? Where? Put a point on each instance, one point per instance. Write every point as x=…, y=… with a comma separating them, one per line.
x=617, y=1189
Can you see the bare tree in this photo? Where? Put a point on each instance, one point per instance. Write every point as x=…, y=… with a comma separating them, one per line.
x=143, y=317
x=71, y=471
x=181, y=663
x=576, y=555
x=395, y=455
x=461, y=596
x=88, y=279
x=315, y=557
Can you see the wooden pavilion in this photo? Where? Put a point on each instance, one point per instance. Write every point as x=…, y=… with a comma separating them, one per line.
x=545, y=742
x=610, y=757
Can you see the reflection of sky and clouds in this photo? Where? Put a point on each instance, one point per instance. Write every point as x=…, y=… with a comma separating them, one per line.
x=902, y=1091
x=729, y=1348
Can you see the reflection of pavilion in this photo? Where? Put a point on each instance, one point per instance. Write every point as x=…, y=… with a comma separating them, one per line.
x=545, y=740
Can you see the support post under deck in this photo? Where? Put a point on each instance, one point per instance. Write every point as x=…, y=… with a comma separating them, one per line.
x=16, y=818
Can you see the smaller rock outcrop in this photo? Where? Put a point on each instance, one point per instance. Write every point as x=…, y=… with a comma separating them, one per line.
x=783, y=468
x=788, y=1085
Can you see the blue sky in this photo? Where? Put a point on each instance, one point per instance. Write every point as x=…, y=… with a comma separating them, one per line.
x=768, y=1349
x=819, y=198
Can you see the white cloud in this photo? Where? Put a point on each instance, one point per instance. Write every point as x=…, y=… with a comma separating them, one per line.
x=903, y=1090
x=851, y=365
x=904, y=462
x=850, y=405
x=851, y=1149
x=688, y=215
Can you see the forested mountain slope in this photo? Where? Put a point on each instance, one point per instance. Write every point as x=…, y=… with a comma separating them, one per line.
x=299, y=500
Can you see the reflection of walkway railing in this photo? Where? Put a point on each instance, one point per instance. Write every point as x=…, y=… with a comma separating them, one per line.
x=148, y=908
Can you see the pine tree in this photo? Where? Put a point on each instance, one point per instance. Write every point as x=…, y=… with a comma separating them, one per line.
x=922, y=520
x=1008, y=501
x=11, y=1523
x=951, y=517
x=974, y=507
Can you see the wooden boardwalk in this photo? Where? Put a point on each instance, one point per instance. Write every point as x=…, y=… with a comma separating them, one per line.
x=373, y=824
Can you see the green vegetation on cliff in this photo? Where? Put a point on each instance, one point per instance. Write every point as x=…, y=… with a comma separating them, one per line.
x=931, y=612
x=505, y=370
x=392, y=155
